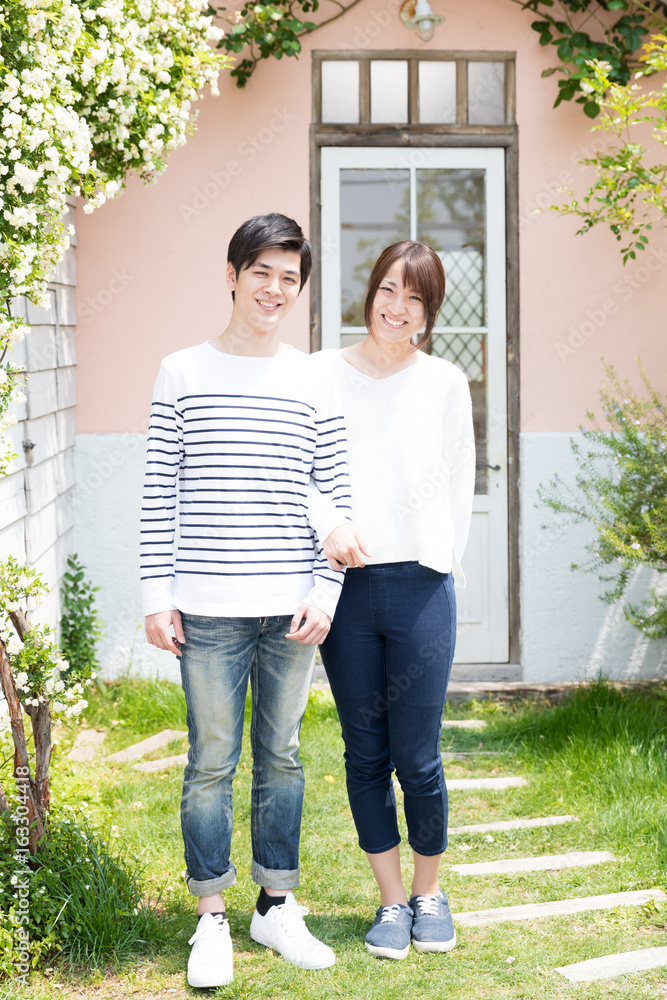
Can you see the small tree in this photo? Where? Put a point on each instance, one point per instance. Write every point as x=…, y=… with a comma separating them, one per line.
x=629, y=194
x=621, y=489
x=38, y=681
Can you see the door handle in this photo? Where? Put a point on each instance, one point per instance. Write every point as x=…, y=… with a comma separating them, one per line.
x=486, y=465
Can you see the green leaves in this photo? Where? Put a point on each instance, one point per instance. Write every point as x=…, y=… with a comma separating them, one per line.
x=621, y=490
x=270, y=30
x=575, y=47
x=80, y=626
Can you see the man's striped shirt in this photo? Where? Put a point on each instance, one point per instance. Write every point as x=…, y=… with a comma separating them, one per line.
x=233, y=442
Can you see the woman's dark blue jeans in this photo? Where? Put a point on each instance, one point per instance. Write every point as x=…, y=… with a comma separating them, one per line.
x=388, y=657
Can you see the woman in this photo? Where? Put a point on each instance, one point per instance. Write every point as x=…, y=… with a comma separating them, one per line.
x=389, y=652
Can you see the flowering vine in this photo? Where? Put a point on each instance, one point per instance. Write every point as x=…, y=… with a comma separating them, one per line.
x=90, y=91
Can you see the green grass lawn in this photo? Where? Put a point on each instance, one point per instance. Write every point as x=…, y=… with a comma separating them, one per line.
x=601, y=756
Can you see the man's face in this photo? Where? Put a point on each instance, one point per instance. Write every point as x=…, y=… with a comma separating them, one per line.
x=266, y=291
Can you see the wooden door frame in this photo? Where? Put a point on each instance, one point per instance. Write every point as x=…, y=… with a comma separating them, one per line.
x=438, y=136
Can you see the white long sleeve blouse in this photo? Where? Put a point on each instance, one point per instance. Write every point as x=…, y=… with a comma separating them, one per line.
x=411, y=459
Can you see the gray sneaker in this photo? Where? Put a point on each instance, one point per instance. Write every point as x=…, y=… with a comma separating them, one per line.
x=432, y=927
x=389, y=936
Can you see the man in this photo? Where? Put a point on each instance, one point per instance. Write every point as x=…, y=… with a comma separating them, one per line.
x=239, y=424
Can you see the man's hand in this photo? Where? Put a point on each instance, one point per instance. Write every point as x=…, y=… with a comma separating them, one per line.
x=158, y=634
x=315, y=628
x=344, y=547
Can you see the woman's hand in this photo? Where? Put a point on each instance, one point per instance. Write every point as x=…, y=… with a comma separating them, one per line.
x=344, y=547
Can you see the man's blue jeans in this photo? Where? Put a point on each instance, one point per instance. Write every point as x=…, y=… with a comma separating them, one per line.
x=388, y=657
x=220, y=655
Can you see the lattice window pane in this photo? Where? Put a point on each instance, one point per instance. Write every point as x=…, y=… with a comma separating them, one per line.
x=451, y=218
x=468, y=352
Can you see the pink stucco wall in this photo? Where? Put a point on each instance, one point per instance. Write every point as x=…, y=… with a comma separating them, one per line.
x=151, y=263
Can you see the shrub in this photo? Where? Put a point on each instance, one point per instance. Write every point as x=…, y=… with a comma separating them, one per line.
x=80, y=627
x=621, y=489
x=86, y=901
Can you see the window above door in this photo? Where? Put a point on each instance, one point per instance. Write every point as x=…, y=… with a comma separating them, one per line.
x=413, y=88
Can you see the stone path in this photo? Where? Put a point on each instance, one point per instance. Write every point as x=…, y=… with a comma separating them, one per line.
x=558, y=907
x=86, y=745
x=150, y=766
x=512, y=824
x=463, y=724
x=138, y=750
x=545, y=863
x=495, y=784
x=608, y=966
x=605, y=967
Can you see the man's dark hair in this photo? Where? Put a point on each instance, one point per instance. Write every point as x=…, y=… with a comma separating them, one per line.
x=269, y=232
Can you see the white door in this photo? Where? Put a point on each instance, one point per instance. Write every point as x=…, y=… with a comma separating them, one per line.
x=453, y=199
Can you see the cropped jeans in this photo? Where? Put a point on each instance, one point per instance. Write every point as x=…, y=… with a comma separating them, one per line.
x=388, y=657
x=219, y=656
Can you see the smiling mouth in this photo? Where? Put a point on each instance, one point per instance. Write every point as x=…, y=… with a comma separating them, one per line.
x=394, y=324
x=268, y=306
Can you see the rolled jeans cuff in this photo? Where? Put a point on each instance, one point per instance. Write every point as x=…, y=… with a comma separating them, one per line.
x=211, y=886
x=273, y=879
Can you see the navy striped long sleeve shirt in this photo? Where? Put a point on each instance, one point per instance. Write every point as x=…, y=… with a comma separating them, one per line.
x=233, y=442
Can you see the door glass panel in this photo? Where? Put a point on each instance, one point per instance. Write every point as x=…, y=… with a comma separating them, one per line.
x=437, y=92
x=340, y=91
x=451, y=218
x=486, y=93
x=374, y=212
x=468, y=352
x=389, y=90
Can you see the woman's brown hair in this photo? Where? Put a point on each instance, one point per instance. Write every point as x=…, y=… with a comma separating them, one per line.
x=422, y=271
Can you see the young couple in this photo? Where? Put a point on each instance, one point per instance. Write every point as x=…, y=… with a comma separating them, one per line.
x=249, y=436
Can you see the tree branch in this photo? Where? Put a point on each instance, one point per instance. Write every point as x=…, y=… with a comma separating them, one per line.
x=36, y=812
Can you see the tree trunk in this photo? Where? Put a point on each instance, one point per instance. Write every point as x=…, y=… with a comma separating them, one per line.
x=30, y=791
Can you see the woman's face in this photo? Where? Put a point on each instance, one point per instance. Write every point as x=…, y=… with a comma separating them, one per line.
x=398, y=312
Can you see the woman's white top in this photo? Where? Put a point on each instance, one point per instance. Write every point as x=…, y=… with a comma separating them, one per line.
x=411, y=458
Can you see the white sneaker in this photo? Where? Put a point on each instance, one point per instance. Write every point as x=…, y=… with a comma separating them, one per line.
x=211, y=959
x=284, y=929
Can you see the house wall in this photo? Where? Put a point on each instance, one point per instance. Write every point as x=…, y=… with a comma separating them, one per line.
x=36, y=499
x=151, y=281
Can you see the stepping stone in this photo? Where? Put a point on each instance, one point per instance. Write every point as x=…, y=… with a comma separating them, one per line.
x=161, y=765
x=559, y=907
x=547, y=863
x=86, y=745
x=493, y=783
x=512, y=824
x=464, y=754
x=147, y=746
x=464, y=724
x=608, y=966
